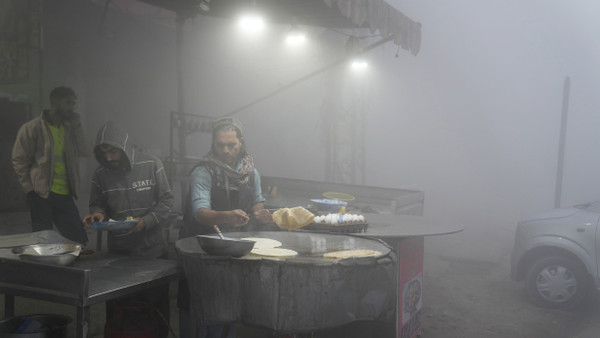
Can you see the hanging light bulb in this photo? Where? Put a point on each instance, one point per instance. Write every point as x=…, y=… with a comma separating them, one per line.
x=252, y=22
x=359, y=64
x=295, y=35
x=353, y=51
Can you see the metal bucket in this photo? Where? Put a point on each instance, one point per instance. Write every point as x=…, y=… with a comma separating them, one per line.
x=35, y=326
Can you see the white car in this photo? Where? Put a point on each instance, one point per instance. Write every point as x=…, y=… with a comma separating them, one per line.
x=557, y=254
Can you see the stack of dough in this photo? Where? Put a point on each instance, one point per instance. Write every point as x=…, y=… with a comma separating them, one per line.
x=292, y=218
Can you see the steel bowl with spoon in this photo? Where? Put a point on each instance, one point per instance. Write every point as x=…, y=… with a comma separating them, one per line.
x=224, y=246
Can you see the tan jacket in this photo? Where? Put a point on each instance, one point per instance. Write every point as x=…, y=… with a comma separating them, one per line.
x=33, y=155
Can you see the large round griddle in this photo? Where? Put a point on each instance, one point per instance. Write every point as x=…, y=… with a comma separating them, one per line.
x=304, y=293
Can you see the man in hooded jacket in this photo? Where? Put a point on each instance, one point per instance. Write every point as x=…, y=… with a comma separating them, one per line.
x=130, y=183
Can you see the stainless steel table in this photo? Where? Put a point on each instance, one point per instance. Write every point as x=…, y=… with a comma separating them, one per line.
x=91, y=279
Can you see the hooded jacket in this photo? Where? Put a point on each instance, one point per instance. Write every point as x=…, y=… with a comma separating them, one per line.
x=33, y=154
x=138, y=188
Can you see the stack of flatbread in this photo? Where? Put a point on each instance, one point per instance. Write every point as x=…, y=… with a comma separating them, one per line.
x=292, y=218
x=270, y=248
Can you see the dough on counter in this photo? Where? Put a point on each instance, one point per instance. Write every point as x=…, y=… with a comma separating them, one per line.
x=274, y=252
x=352, y=253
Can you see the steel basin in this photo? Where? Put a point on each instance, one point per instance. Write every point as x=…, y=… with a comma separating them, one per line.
x=56, y=253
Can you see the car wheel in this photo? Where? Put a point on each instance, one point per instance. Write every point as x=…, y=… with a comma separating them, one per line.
x=557, y=282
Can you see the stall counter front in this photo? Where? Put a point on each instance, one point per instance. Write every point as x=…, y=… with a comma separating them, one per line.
x=303, y=293
x=89, y=280
x=292, y=294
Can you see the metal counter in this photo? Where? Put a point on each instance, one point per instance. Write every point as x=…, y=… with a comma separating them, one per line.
x=89, y=280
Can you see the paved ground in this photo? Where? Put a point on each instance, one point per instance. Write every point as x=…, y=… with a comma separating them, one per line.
x=473, y=296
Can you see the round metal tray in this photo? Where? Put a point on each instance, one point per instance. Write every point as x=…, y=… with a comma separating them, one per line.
x=57, y=253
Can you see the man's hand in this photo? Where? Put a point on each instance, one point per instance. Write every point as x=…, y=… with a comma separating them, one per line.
x=263, y=216
x=95, y=217
x=140, y=225
x=237, y=217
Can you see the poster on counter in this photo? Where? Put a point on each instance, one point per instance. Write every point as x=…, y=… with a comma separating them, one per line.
x=410, y=287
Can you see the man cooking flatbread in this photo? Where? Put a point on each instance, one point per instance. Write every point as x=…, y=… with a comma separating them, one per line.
x=224, y=189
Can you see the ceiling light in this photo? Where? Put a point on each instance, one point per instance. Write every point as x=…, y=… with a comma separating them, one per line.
x=252, y=23
x=295, y=36
x=359, y=64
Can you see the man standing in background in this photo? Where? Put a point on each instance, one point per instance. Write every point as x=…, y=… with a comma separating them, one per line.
x=45, y=157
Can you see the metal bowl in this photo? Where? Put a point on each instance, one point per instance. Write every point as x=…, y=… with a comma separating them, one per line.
x=58, y=254
x=233, y=247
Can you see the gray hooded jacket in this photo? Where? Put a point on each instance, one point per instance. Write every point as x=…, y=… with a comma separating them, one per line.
x=137, y=189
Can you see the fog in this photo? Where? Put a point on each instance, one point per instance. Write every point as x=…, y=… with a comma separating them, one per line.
x=482, y=104
x=473, y=120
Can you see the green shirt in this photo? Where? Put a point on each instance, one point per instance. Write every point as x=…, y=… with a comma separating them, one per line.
x=60, y=184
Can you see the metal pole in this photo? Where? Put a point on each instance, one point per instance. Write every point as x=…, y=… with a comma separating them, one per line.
x=180, y=96
x=561, y=145
x=41, y=59
x=171, y=128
